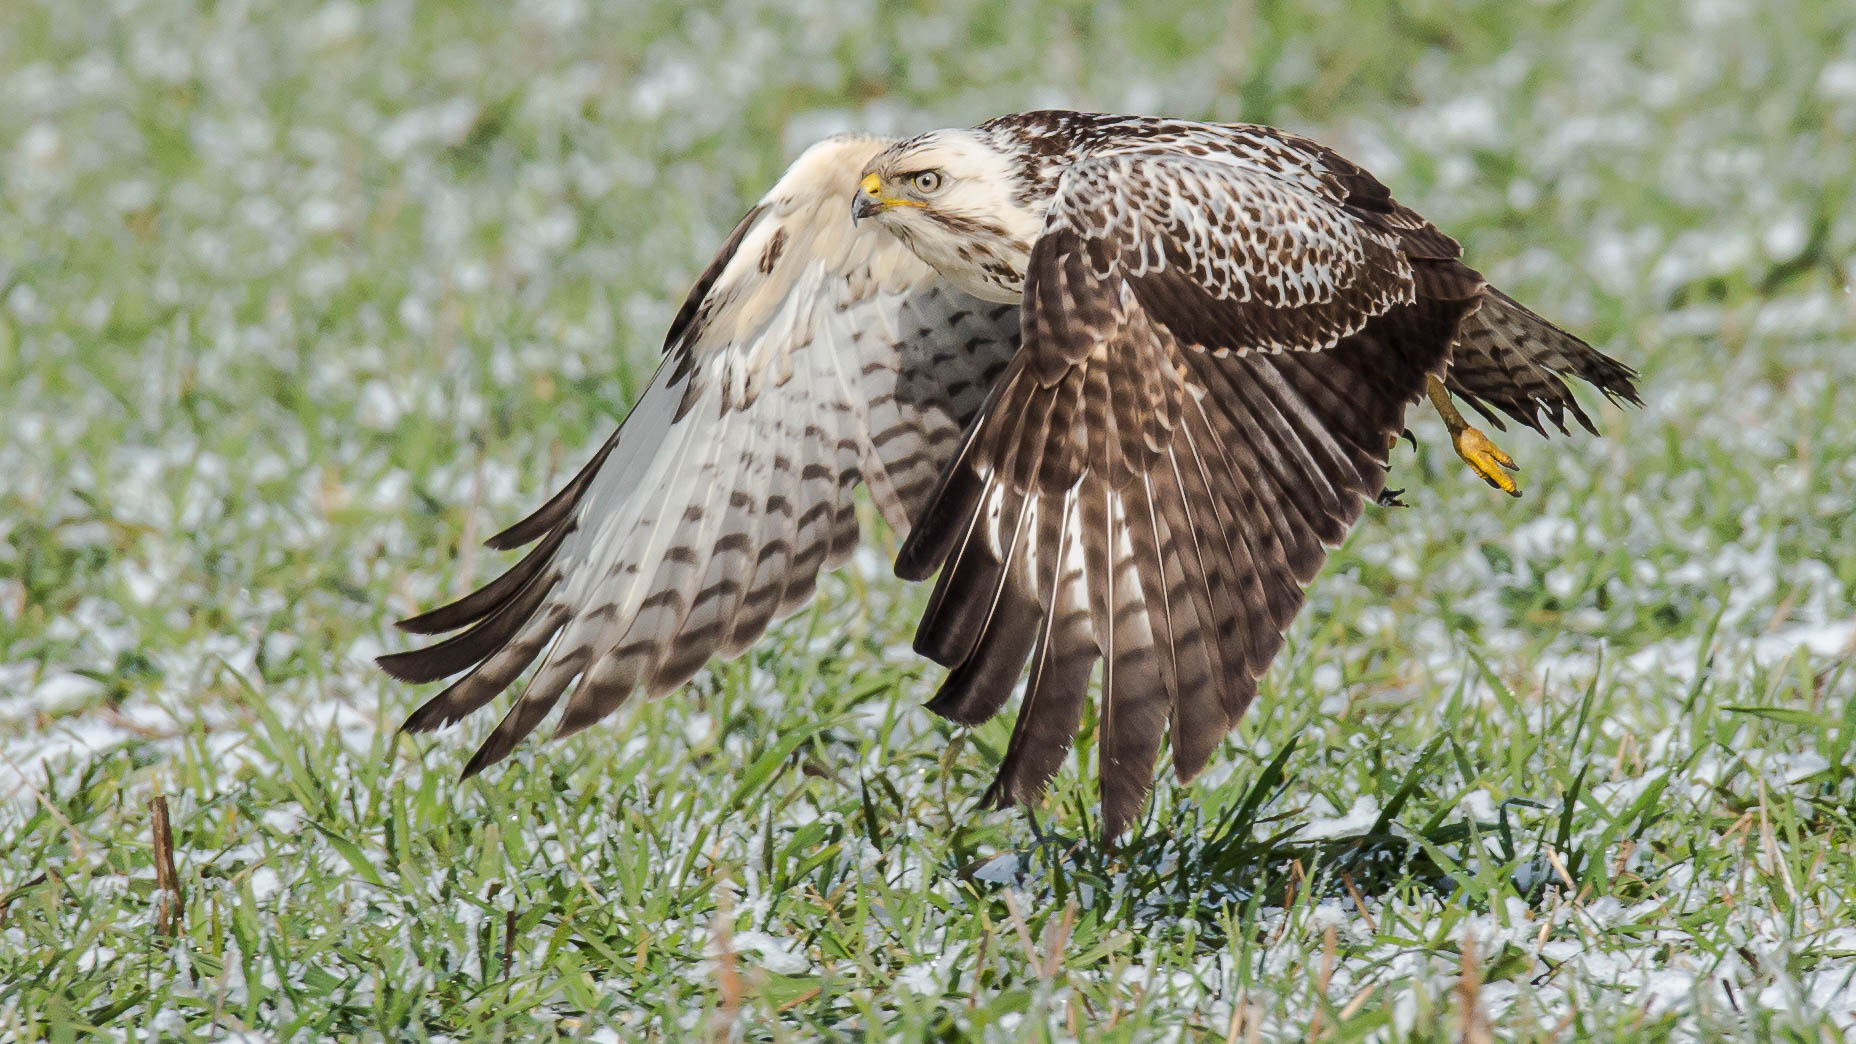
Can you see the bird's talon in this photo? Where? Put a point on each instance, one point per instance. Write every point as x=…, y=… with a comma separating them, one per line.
x=1487, y=460
x=1389, y=497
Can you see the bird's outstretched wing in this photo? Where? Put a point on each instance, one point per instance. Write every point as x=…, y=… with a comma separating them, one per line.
x=1506, y=357
x=810, y=357
x=1216, y=351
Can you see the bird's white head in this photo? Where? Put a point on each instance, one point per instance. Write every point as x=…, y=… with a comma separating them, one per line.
x=955, y=199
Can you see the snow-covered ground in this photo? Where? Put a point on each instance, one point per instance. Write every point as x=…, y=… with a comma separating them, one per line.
x=298, y=305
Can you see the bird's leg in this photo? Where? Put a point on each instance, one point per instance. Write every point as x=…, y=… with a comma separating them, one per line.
x=1482, y=455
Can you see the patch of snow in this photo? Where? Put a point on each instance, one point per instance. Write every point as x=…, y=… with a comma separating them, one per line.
x=1357, y=820
x=1000, y=869
x=780, y=956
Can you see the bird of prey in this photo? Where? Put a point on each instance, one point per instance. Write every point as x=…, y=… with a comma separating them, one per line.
x=1119, y=380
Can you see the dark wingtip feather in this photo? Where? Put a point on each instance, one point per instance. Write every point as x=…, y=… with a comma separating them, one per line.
x=494, y=749
x=421, y=623
x=447, y=708
x=429, y=717
x=491, y=596
x=431, y=662
x=559, y=506
x=521, y=720
x=1118, y=821
x=1005, y=792
x=403, y=666
x=466, y=610
x=477, y=763
x=944, y=521
x=962, y=605
x=548, y=515
x=977, y=689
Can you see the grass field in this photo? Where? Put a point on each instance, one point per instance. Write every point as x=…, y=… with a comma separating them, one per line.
x=298, y=304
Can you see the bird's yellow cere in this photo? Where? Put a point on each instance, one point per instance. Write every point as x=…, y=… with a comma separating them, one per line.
x=872, y=186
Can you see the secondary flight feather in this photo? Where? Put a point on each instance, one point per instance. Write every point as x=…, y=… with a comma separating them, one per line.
x=1222, y=327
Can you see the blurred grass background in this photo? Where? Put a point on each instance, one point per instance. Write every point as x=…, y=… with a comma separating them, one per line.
x=298, y=303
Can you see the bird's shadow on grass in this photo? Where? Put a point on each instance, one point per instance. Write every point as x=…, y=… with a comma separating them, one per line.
x=1252, y=855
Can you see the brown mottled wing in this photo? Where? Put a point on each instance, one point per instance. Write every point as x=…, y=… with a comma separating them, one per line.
x=1214, y=357
x=1506, y=357
x=811, y=357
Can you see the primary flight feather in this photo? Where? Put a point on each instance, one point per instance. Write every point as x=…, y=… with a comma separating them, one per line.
x=1222, y=327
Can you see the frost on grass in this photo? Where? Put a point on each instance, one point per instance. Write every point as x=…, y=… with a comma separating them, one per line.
x=297, y=306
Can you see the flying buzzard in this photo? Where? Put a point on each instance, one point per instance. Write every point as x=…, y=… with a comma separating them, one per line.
x=1120, y=380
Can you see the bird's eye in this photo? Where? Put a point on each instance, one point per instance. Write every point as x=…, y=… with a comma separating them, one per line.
x=926, y=180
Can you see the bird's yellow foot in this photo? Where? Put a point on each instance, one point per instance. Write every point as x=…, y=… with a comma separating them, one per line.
x=1487, y=459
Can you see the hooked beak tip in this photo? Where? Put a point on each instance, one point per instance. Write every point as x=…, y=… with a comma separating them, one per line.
x=863, y=206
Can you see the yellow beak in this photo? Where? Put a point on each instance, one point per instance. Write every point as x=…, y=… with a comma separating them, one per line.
x=870, y=198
